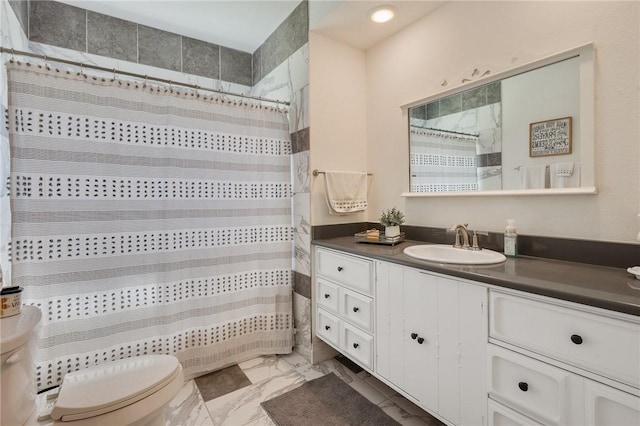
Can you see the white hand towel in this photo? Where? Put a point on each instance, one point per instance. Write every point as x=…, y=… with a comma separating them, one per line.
x=533, y=177
x=565, y=175
x=346, y=191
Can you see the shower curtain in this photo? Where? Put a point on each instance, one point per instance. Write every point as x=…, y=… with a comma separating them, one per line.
x=442, y=161
x=147, y=220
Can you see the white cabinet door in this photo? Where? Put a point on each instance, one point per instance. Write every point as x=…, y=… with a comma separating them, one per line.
x=606, y=406
x=462, y=338
x=420, y=310
x=473, y=337
x=389, y=326
x=431, y=334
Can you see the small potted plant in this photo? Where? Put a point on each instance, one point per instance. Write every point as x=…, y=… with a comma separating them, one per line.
x=391, y=220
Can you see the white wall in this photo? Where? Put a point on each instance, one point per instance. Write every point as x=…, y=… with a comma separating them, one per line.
x=461, y=36
x=337, y=118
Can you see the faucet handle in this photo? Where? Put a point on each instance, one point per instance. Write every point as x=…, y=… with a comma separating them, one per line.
x=458, y=243
x=475, y=245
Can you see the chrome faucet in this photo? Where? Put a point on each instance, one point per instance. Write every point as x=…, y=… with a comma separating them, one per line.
x=461, y=229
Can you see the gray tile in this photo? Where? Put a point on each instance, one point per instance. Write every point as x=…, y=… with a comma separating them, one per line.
x=433, y=110
x=474, y=98
x=451, y=104
x=486, y=160
x=158, y=48
x=58, y=24
x=112, y=37
x=419, y=112
x=290, y=35
x=221, y=382
x=494, y=93
x=302, y=284
x=21, y=9
x=200, y=58
x=257, y=64
x=300, y=141
x=235, y=66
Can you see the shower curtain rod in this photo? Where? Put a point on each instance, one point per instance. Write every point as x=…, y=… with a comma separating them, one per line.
x=136, y=75
x=446, y=131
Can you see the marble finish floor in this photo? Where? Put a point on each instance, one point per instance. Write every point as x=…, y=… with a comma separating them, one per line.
x=269, y=377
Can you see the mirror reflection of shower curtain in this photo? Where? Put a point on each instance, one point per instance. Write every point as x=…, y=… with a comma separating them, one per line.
x=146, y=221
x=442, y=161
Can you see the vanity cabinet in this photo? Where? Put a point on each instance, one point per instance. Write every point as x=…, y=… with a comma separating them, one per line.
x=430, y=341
x=559, y=363
x=345, y=304
x=479, y=354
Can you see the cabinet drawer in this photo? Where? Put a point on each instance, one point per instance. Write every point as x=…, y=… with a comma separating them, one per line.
x=328, y=297
x=328, y=327
x=358, y=345
x=544, y=392
x=499, y=415
x=356, y=309
x=348, y=270
x=603, y=345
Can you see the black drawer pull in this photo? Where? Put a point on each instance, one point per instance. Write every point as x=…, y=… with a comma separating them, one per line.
x=356, y=309
x=327, y=295
x=523, y=386
x=355, y=345
x=414, y=336
x=420, y=340
x=326, y=327
x=340, y=268
x=576, y=339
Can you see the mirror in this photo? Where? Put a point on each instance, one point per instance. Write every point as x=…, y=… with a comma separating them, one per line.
x=528, y=130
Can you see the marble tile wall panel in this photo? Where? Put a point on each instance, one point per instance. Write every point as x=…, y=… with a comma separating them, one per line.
x=58, y=24
x=159, y=48
x=292, y=34
x=21, y=10
x=235, y=66
x=200, y=58
x=302, y=321
x=112, y=37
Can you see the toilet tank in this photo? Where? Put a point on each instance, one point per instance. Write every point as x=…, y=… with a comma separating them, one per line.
x=17, y=382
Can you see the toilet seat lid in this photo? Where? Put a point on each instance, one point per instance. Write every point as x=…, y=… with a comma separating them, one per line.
x=111, y=386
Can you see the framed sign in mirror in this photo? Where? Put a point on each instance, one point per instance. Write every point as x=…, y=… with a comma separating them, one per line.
x=501, y=135
x=550, y=137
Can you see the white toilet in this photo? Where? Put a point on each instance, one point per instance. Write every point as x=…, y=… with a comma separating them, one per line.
x=17, y=385
x=133, y=391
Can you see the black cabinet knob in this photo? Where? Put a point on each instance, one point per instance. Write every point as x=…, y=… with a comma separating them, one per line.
x=326, y=295
x=420, y=340
x=355, y=345
x=356, y=309
x=523, y=386
x=340, y=268
x=326, y=327
x=414, y=336
x=576, y=339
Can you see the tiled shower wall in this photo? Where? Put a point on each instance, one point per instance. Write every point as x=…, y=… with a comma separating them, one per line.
x=278, y=69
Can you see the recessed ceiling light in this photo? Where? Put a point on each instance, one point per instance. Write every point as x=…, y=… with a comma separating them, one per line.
x=382, y=14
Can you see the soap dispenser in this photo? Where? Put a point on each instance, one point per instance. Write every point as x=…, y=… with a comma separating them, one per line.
x=510, y=239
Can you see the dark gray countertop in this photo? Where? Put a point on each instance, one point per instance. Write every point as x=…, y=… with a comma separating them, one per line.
x=600, y=286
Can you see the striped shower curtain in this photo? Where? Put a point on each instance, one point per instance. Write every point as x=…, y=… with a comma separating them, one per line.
x=147, y=221
x=442, y=161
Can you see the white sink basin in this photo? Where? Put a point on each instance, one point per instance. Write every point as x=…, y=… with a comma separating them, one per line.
x=448, y=254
